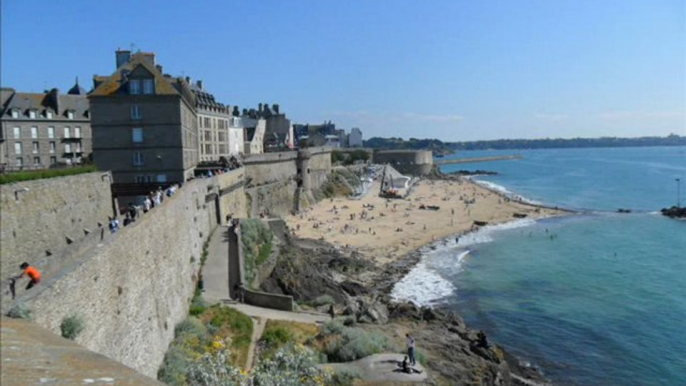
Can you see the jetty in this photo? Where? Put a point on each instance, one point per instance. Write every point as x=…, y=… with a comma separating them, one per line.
x=479, y=159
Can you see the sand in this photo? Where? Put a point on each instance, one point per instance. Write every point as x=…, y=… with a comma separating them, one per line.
x=385, y=229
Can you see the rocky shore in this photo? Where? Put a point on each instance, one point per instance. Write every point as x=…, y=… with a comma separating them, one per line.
x=674, y=212
x=455, y=354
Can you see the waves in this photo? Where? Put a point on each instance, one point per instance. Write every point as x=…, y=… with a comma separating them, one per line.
x=504, y=191
x=424, y=285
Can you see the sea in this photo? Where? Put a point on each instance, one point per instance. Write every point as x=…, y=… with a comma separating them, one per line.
x=593, y=298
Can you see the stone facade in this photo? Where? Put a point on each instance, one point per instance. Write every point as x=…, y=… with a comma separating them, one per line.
x=132, y=289
x=415, y=162
x=44, y=215
x=220, y=133
x=43, y=130
x=145, y=126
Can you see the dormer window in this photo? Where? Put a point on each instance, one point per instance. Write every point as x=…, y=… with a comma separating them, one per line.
x=70, y=114
x=48, y=114
x=15, y=114
x=148, y=86
x=32, y=114
x=134, y=86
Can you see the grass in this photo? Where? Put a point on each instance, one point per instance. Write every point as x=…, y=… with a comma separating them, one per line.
x=11, y=177
x=278, y=333
x=203, y=333
x=233, y=324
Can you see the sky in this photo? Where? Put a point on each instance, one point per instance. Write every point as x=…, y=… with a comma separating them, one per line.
x=456, y=70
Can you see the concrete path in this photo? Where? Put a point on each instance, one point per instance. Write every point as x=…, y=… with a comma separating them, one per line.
x=267, y=313
x=379, y=368
x=257, y=330
x=216, y=271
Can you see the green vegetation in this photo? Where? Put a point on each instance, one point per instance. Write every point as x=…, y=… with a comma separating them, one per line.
x=257, y=245
x=11, y=177
x=349, y=157
x=19, y=311
x=209, y=332
x=71, y=327
x=344, y=344
x=279, y=333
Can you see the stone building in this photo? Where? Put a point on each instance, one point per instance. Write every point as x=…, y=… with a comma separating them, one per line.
x=355, y=137
x=220, y=134
x=255, y=129
x=145, y=126
x=43, y=130
x=279, y=133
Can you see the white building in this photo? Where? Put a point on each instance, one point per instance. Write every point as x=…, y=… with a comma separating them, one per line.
x=355, y=137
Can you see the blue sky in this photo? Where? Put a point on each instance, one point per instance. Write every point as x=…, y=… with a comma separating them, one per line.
x=453, y=70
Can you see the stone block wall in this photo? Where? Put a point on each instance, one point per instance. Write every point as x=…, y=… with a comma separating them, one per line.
x=261, y=169
x=40, y=215
x=415, y=162
x=132, y=289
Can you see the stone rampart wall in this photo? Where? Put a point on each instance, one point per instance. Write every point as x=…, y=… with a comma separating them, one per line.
x=131, y=290
x=49, y=214
x=267, y=168
x=416, y=162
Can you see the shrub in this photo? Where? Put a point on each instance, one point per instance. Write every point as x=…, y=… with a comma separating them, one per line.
x=175, y=366
x=291, y=366
x=19, y=311
x=191, y=327
x=277, y=336
x=71, y=327
x=322, y=300
x=344, y=344
x=257, y=241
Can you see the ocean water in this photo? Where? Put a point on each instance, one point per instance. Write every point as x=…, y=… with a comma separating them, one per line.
x=596, y=298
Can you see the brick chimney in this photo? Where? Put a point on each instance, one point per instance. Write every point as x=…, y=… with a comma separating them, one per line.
x=123, y=57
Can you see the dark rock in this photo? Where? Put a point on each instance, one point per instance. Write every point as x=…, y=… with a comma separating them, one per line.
x=674, y=212
x=354, y=288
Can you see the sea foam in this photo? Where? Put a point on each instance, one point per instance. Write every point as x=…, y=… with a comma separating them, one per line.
x=424, y=286
x=504, y=191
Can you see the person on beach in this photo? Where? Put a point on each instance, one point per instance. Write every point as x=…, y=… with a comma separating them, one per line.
x=410, y=349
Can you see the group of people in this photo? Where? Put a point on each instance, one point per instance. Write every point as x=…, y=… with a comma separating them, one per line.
x=152, y=200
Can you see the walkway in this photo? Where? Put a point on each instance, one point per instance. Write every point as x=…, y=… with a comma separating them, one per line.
x=379, y=368
x=216, y=270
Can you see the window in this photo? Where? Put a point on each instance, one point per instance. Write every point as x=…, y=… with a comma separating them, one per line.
x=141, y=179
x=35, y=148
x=208, y=149
x=51, y=132
x=148, y=86
x=34, y=132
x=161, y=178
x=15, y=114
x=32, y=114
x=17, y=132
x=70, y=114
x=77, y=132
x=20, y=162
x=52, y=147
x=17, y=148
x=134, y=86
x=66, y=133
x=138, y=159
x=137, y=135
x=48, y=114
x=67, y=147
x=78, y=147
x=53, y=160
x=135, y=112
x=36, y=160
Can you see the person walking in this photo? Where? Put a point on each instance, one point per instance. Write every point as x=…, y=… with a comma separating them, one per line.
x=410, y=349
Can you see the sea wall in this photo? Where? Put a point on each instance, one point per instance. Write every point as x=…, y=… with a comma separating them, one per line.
x=415, y=162
x=132, y=289
x=44, y=217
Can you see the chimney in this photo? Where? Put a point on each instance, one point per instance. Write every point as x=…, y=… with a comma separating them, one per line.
x=148, y=57
x=123, y=57
x=159, y=68
x=275, y=107
x=188, y=79
x=199, y=83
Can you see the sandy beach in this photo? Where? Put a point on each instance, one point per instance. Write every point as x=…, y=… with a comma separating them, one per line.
x=385, y=229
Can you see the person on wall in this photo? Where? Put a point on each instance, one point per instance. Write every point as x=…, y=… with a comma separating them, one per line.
x=31, y=272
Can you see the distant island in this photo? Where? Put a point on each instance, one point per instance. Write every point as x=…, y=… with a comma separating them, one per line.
x=441, y=148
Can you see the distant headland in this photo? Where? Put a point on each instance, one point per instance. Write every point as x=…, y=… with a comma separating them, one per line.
x=440, y=147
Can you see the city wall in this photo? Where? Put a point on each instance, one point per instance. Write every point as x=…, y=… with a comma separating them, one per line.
x=42, y=218
x=134, y=287
x=415, y=162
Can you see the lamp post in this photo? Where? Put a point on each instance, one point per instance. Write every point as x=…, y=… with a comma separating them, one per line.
x=678, y=193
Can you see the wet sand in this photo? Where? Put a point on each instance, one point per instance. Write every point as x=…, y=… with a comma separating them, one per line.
x=383, y=230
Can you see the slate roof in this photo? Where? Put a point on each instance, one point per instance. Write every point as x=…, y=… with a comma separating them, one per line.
x=41, y=102
x=116, y=83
